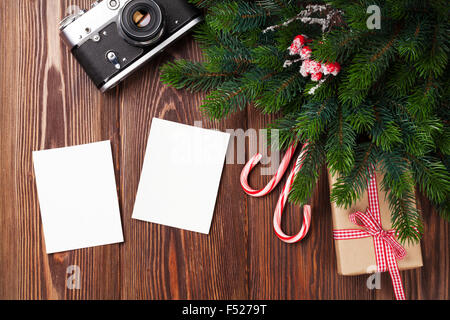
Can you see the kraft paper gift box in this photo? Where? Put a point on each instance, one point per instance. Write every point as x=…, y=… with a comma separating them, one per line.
x=357, y=256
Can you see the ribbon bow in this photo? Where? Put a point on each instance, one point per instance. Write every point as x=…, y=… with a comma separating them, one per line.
x=387, y=249
x=373, y=228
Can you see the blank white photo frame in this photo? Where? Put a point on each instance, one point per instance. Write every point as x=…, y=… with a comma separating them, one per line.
x=78, y=197
x=181, y=176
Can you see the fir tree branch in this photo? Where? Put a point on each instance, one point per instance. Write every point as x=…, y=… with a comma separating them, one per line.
x=349, y=188
x=235, y=16
x=286, y=127
x=340, y=145
x=365, y=70
x=314, y=118
x=306, y=179
x=192, y=75
x=432, y=176
x=228, y=97
x=406, y=219
x=280, y=89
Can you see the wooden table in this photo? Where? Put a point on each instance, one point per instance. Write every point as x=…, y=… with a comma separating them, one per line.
x=47, y=101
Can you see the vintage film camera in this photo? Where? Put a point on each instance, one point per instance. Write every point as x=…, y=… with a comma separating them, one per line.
x=116, y=37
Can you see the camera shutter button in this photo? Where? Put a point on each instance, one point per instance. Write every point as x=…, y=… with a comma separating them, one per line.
x=113, y=4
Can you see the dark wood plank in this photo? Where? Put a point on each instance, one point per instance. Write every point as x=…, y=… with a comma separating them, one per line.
x=51, y=104
x=159, y=262
x=431, y=281
x=9, y=271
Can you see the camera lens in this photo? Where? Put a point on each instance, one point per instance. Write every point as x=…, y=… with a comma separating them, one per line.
x=141, y=22
x=141, y=18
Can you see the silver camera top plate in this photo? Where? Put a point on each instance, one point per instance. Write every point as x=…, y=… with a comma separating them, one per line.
x=87, y=24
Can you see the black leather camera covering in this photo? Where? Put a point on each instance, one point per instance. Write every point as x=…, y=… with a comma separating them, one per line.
x=92, y=55
x=177, y=10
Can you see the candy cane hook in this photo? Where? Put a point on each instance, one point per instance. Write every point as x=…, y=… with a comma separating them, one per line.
x=284, y=194
x=282, y=201
x=275, y=179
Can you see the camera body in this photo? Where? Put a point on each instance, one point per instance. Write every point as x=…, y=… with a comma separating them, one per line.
x=116, y=37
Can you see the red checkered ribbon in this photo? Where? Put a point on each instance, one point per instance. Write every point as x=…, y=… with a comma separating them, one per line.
x=387, y=249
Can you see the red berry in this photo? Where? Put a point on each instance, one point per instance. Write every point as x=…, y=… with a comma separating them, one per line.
x=301, y=39
x=316, y=76
x=306, y=52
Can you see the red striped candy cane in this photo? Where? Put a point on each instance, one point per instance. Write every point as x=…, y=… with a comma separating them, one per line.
x=275, y=179
x=284, y=194
x=282, y=201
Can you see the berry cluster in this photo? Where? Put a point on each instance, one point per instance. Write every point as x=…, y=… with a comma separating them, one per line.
x=311, y=67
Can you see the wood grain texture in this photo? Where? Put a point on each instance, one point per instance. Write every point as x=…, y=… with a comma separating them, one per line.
x=47, y=101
